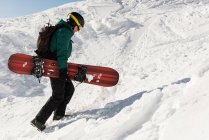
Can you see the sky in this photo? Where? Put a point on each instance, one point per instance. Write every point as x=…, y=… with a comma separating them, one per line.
x=14, y=8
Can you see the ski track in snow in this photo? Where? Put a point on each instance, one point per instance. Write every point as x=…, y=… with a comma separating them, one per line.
x=160, y=48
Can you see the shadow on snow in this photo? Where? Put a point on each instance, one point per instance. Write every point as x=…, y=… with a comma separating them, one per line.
x=110, y=109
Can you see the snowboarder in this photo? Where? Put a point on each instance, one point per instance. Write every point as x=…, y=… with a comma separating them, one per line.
x=62, y=87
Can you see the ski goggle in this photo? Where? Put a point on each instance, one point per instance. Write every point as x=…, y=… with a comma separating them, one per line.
x=75, y=19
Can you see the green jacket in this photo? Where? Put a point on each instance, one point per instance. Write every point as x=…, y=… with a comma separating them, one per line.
x=61, y=44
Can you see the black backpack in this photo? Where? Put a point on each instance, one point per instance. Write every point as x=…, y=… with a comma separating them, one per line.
x=44, y=39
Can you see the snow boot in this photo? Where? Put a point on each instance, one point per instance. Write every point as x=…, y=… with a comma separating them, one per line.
x=57, y=117
x=40, y=126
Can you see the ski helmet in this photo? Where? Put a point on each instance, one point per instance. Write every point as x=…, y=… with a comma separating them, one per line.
x=77, y=18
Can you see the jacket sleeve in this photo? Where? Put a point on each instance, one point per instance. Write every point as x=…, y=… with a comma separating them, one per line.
x=63, y=40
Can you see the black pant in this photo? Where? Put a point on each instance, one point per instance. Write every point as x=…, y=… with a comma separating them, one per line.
x=62, y=92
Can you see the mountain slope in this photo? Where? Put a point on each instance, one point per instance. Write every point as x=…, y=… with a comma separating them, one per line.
x=160, y=48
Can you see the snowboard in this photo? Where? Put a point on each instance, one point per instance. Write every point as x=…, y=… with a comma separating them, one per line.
x=102, y=76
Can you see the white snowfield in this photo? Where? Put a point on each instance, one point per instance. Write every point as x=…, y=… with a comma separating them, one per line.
x=160, y=49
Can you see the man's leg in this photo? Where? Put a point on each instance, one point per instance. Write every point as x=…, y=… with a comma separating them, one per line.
x=69, y=90
x=58, y=93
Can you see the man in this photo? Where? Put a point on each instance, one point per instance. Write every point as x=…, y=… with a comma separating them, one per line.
x=62, y=87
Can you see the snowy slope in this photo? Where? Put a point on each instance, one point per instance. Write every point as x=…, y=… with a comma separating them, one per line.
x=159, y=47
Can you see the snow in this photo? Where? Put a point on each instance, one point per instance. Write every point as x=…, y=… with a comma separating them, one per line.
x=160, y=49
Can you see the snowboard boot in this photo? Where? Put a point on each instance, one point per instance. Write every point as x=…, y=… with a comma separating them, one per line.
x=57, y=117
x=40, y=126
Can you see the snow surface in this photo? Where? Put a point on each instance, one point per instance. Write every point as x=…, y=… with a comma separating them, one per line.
x=159, y=47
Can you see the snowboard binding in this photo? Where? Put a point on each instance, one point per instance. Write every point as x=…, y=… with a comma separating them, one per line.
x=37, y=70
x=81, y=74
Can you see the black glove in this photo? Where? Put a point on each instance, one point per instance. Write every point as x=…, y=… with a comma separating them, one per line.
x=63, y=74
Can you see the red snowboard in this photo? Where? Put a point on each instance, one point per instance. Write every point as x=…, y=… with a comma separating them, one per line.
x=96, y=75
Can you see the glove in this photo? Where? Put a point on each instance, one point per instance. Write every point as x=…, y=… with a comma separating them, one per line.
x=63, y=74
